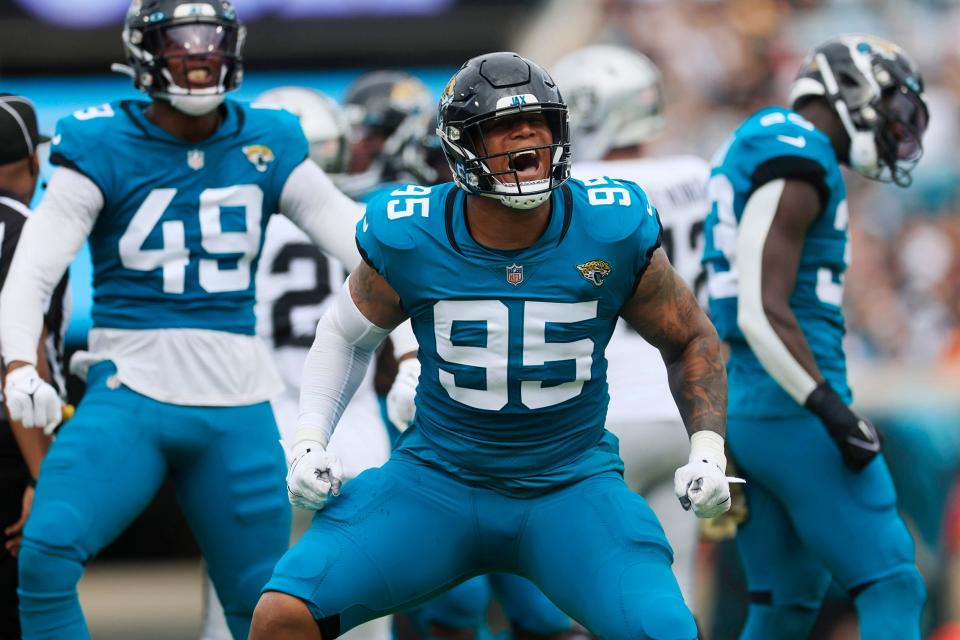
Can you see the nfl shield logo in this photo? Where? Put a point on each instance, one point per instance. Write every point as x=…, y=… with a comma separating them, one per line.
x=195, y=159
x=515, y=274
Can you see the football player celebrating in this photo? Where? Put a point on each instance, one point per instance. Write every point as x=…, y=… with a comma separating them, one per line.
x=507, y=466
x=616, y=107
x=776, y=248
x=461, y=612
x=174, y=195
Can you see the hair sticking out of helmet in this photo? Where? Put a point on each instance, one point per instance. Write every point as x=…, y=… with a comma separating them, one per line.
x=323, y=121
x=504, y=87
x=877, y=93
x=187, y=53
x=615, y=95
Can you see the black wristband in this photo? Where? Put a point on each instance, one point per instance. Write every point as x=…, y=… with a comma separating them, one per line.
x=32, y=482
x=827, y=404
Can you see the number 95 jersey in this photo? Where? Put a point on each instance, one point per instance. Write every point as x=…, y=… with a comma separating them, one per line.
x=513, y=390
x=777, y=143
x=178, y=238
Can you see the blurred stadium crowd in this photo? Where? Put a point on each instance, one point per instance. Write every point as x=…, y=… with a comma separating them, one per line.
x=723, y=59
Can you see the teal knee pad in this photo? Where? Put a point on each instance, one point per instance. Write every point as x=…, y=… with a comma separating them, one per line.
x=890, y=608
x=49, y=606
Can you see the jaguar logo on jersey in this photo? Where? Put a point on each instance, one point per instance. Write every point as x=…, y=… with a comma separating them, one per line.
x=596, y=271
x=515, y=274
x=195, y=159
x=260, y=156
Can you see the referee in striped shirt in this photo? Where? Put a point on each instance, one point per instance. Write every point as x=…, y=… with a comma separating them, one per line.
x=21, y=450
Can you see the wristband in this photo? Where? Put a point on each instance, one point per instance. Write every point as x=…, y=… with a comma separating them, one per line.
x=827, y=404
x=708, y=447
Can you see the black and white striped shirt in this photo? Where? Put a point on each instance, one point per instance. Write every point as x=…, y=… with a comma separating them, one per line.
x=13, y=215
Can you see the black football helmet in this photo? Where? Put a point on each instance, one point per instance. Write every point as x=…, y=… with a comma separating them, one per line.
x=384, y=110
x=187, y=52
x=877, y=92
x=422, y=159
x=492, y=86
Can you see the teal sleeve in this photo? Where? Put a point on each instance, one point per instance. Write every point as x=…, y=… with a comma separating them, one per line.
x=368, y=243
x=80, y=145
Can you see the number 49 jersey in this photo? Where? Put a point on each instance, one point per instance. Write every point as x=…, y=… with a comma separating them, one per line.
x=771, y=144
x=181, y=228
x=513, y=388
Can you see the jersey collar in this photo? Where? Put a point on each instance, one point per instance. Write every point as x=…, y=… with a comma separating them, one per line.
x=231, y=125
x=462, y=241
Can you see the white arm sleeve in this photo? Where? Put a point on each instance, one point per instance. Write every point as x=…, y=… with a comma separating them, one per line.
x=335, y=366
x=50, y=239
x=310, y=199
x=753, y=322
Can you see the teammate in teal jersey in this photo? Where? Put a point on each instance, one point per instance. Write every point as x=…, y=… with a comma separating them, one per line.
x=174, y=195
x=777, y=247
x=513, y=277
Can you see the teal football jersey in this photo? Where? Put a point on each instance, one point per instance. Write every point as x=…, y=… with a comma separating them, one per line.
x=513, y=390
x=771, y=144
x=177, y=242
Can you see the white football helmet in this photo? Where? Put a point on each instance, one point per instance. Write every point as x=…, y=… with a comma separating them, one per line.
x=323, y=120
x=615, y=98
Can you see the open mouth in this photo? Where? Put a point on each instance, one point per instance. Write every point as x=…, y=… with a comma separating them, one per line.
x=526, y=164
x=199, y=77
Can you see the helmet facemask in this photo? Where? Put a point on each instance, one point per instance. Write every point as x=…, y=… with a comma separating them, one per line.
x=190, y=63
x=521, y=178
x=877, y=94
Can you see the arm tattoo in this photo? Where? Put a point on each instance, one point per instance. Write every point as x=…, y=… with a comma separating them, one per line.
x=375, y=298
x=665, y=312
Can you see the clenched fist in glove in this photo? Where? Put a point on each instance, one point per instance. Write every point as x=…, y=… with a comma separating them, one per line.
x=31, y=400
x=313, y=475
x=702, y=484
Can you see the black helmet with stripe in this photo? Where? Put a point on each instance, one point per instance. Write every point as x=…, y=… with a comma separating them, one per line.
x=187, y=52
x=498, y=85
x=877, y=92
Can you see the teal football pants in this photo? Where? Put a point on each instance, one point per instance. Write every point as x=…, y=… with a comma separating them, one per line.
x=465, y=607
x=401, y=534
x=812, y=518
x=105, y=466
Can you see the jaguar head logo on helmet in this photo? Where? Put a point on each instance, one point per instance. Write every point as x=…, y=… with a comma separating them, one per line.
x=487, y=93
x=877, y=92
x=186, y=53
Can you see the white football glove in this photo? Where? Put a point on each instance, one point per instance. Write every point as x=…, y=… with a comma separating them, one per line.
x=401, y=399
x=313, y=475
x=31, y=400
x=702, y=484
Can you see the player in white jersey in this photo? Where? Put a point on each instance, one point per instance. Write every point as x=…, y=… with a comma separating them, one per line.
x=294, y=283
x=616, y=107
